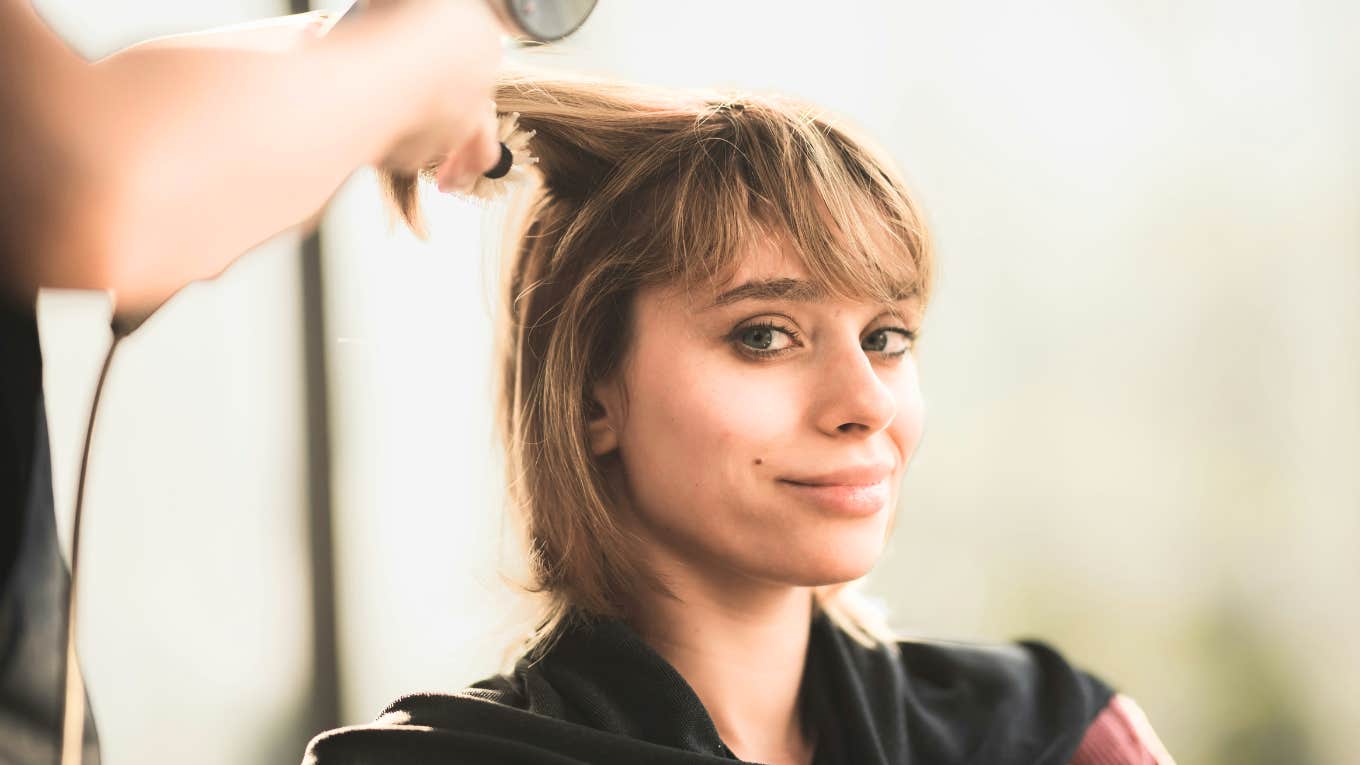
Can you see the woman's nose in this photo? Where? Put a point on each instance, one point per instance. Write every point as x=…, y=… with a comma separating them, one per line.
x=853, y=399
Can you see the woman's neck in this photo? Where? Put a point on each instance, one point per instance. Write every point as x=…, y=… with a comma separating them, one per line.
x=742, y=650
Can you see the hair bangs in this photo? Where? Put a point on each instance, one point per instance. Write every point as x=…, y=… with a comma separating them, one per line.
x=753, y=170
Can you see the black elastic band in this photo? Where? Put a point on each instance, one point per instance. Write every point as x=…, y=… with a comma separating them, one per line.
x=502, y=167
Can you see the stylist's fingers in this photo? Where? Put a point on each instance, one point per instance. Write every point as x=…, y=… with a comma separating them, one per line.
x=480, y=152
x=452, y=145
x=455, y=123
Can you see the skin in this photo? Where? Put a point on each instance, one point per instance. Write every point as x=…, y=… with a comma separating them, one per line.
x=703, y=434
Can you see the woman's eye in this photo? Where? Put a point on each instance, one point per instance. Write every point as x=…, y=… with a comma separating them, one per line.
x=889, y=341
x=765, y=339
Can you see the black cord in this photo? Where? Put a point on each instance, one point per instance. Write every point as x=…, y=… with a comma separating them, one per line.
x=72, y=706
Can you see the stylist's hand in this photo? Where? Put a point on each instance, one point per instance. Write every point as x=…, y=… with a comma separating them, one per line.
x=162, y=163
x=456, y=131
x=456, y=124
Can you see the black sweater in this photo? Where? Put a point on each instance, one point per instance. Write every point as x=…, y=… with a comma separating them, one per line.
x=603, y=696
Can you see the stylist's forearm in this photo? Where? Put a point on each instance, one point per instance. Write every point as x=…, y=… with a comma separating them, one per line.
x=220, y=149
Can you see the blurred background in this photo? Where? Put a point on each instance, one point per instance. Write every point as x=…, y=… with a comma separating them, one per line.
x=1141, y=368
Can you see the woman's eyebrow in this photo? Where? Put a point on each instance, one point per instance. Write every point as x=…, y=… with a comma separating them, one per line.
x=770, y=289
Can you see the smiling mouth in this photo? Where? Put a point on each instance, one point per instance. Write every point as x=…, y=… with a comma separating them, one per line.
x=857, y=500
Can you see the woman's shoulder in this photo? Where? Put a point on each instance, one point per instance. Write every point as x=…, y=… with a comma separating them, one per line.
x=488, y=727
x=941, y=700
x=1023, y=677
x=1021, y=668
x=550, y=713
x=430, y=727
x=932, y=673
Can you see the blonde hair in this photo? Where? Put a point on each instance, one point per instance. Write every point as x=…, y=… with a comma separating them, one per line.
x=639, y=187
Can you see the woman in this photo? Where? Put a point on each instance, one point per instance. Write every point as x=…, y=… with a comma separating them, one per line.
x=709, y=399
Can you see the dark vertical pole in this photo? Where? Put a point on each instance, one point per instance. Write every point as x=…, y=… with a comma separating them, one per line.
x=325, y=697
x=325, y=691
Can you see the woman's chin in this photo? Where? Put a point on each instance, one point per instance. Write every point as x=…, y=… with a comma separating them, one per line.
x=829, y=575
x=831, y=563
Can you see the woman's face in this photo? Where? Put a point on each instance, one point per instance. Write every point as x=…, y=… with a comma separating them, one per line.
x=765, y=431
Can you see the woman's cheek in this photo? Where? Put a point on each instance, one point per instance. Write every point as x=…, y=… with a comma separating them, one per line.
x=748, y=409
x=909, y=423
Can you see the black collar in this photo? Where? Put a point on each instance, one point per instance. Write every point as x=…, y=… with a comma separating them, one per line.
x=606, y=677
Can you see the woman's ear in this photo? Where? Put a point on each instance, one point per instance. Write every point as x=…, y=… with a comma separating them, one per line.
x=603, y=421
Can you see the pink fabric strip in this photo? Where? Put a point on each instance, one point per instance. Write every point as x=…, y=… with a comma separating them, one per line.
x=1121, y=735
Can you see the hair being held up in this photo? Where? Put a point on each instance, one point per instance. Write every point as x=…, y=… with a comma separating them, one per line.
x=634, y=187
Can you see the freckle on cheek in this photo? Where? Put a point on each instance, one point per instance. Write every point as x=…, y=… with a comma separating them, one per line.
x=760, y=461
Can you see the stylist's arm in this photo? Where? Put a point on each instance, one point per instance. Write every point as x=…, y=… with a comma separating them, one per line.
x=161, y=164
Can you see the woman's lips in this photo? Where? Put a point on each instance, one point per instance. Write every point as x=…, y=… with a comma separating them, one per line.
x=846, y=499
